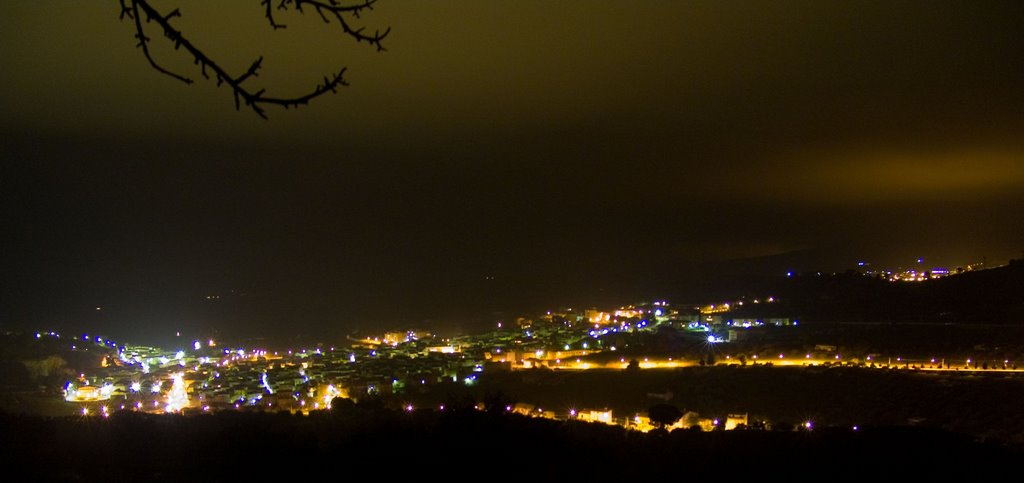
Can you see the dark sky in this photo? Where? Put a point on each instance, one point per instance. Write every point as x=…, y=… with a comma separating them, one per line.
x=578, y=152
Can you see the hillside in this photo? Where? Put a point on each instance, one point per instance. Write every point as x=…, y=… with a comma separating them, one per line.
x=993, y=296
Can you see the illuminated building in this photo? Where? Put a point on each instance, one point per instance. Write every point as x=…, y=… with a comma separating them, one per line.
x=596, y=416
x=598, y=317
x=734, y=420
x=88, y=393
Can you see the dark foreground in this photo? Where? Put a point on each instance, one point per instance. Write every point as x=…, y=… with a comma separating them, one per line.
x=466, y=444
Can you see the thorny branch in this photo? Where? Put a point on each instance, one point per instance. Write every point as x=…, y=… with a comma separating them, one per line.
x=135, y=9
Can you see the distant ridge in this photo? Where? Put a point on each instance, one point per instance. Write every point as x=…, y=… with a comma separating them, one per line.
x=991, y=296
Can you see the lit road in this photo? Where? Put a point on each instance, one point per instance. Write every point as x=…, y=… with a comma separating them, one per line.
x=924, y=365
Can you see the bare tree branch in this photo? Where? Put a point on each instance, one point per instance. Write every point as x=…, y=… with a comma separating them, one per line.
x=242, y=95
x=133, y=13
x=336, y=9
x=270, y=14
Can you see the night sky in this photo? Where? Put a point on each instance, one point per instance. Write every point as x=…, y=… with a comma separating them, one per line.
x=500, y=156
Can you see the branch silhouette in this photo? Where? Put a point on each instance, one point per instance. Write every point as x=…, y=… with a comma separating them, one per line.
x=142, y=14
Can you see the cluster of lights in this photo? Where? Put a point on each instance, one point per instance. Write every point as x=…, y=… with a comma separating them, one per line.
x=266, y=384
x=329, y=394
x=177, y=397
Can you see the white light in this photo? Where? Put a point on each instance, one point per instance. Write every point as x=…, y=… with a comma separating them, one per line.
x=156, y=387
x=179, y=355
x=329, y=395
x=196, y=345
x=177, y=397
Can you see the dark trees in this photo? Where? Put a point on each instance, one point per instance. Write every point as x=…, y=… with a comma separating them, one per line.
x=633, y=366
x=664, y=414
